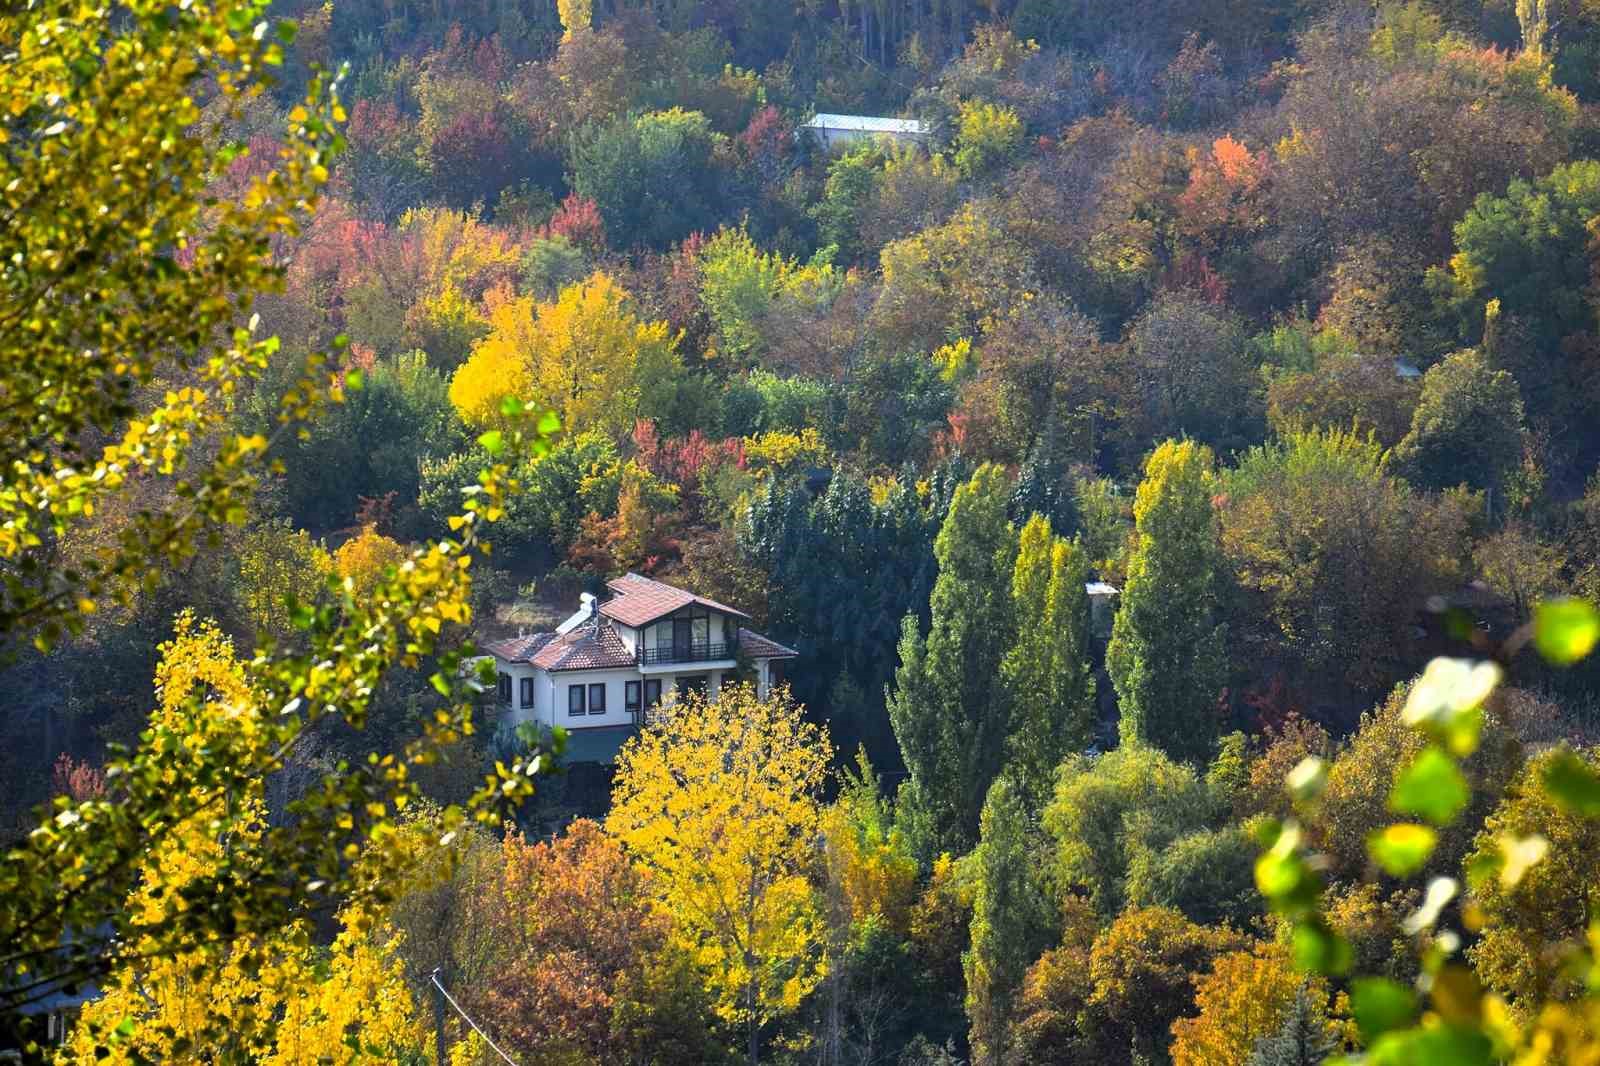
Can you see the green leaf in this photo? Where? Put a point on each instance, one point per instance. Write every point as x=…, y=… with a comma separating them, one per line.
x=1432, y=787
x=355, y=380
x=493, y=442
x=1565, y=630
x=288, y=29
x=1319, y=949
x=1573, y=784
x=1438, y=1045
x=549, y=423
x=510, y=407
x=1381, y=1005
x=1401, y=849
x=441, y=684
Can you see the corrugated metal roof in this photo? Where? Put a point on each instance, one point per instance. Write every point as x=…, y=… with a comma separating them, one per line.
x=868, y=124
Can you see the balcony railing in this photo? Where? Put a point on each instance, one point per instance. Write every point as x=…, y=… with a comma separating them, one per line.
x=685, y=653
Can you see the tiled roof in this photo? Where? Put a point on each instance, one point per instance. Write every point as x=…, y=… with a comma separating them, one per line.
x=595, y=646
x=757, y=646
x=641, y=600
x=518, y=649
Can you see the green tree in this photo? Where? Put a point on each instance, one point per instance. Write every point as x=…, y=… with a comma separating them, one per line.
x=986, y=137
x=1528, y=250
x=1466, y=428
x=1011, y=919
x=652, y=175
x=1116, y=810
x=1046, y=674
x=372, y=444
x=948, y=706
x=1167, y=656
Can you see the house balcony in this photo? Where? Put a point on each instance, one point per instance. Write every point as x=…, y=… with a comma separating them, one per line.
x=670, y=654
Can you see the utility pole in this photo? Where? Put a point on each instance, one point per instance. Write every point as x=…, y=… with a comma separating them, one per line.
x=440, y=1057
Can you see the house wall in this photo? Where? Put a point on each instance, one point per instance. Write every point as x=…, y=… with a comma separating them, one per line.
x=833, y=139
x=520, y=712
x=556, y=697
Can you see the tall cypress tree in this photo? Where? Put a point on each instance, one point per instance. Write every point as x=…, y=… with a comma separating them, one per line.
x=948, y=707
x=1011, y=920
x=1167, y=653
x=1047, y=677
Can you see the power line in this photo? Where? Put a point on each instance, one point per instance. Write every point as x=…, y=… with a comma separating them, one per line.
x=434, y=977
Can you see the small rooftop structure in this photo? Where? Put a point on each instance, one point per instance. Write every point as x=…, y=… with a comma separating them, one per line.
x=1406, y=371
x=1102, y=607
x=840, y=131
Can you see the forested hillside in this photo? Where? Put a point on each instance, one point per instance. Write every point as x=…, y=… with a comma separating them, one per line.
x=338, y=340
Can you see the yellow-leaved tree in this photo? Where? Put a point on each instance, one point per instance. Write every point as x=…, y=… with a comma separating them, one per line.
x=278, y=1000
x=588, y=356
x=719, y=799
x=132, y=251
x=363, y=560
x=575, y=15
x=277, y=564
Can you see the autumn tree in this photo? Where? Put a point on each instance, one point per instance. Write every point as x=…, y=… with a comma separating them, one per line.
x=948, y=706
x=1327, y=600
x=1190, y=375
x=576, y=936
x=719, y=799
x=1144, y=968
x=587, y=355
x=1245, y=998
x=1167, y=656
x=96, y=310
x=1046, y=673
x=365, y=559
x=1524, y=920
x=278, y=1002
x=1011, y=919
x=276, y=564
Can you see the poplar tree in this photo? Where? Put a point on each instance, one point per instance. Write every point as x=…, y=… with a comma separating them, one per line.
x=1167, y=652
x=1011, y=920
x=948, y=707
x=1049, y=684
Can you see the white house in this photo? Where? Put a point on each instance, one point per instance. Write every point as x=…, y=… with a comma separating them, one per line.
x=607, y=665
x=842, y=131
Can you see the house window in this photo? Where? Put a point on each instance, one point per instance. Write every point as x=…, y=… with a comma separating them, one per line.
x=597, y=699
x=527, y=692
x=575, y=700
x=503, y=687
x=652, y=692
x=630, y=696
